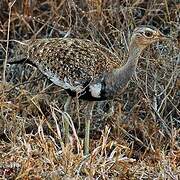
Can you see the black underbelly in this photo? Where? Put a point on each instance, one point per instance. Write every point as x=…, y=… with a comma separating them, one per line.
x=86, y=95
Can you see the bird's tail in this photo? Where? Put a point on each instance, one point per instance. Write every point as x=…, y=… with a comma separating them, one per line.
x=13, y=62
x=19, y=61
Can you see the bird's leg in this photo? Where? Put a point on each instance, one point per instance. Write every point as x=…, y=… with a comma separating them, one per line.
x=87, y=126
x=67, y=109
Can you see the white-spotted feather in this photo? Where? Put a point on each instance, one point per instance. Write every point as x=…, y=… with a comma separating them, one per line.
x=62, y=83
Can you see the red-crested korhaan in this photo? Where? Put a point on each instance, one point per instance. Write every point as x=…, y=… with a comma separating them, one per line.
x=86, y=69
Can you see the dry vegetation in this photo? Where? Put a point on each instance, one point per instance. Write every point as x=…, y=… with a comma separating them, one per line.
x=138, y=141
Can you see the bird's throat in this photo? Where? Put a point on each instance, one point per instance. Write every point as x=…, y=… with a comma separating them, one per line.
x=134, y=54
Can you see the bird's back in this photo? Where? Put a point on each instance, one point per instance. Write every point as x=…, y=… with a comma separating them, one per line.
x=73, y=61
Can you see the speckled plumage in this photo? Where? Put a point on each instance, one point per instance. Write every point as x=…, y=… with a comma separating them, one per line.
x=85, y=68
x=75, y=61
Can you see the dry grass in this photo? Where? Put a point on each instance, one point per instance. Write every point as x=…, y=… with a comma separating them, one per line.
x=140, y=140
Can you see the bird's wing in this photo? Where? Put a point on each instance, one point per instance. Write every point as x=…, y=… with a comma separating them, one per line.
x=70, y=62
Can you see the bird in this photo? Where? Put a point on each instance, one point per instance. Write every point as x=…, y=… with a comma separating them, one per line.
x=86, y=69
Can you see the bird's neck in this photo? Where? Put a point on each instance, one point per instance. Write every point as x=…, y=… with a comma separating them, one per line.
x=121, y=76
x=134, y=53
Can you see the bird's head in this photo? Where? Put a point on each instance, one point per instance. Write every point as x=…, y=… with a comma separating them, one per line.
x=144, y=36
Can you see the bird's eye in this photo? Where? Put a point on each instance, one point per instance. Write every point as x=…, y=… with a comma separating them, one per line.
x=148, y=33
